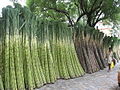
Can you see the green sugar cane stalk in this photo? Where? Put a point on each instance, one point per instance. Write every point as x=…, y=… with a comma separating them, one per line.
x=1, y=83
x=35, y=61
x=38, y=65
x=13, y=84
x=41, y=66
x=6, y=66
x=18, y=63
x=47, y=74
x=30, y=80
x=50, y=64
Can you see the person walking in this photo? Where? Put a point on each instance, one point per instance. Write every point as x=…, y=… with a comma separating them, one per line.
x=110, y=58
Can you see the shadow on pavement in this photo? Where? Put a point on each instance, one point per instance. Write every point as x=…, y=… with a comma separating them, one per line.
x=115, y=88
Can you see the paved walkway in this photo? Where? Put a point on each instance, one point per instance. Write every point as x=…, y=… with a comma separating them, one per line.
x=101, y=80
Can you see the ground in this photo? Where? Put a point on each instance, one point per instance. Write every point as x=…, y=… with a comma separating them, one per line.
x=101, y=80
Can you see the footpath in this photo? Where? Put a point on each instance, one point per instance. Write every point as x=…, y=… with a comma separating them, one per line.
x=101, y=80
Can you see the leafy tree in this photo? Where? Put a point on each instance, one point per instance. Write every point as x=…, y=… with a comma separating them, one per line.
x=91, y=11
x=73, y=10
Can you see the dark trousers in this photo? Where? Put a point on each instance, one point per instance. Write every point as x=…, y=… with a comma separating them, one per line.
x=109, y=66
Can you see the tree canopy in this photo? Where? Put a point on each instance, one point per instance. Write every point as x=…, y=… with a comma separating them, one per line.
x=92, y=11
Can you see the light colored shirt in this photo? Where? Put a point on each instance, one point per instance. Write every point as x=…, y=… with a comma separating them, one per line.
x=110, y=57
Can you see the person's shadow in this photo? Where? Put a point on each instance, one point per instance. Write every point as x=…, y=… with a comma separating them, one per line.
x=115, y=88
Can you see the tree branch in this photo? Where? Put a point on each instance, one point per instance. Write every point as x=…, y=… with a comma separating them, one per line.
x=57, y=10
x=78, y=8
x=94, y=9
x=93, y=4
x=99, y=20
x=89, y=19
x=63, y=12
x=91, y=15
x=81, y=5
x=80, y=17
x=70, y=20
x=80, y=13
x=97, y=14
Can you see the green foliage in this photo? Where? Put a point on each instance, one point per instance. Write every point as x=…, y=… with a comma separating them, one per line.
x=73, y=10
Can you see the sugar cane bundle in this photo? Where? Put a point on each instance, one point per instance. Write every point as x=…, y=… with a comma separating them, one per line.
x=86, y=42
